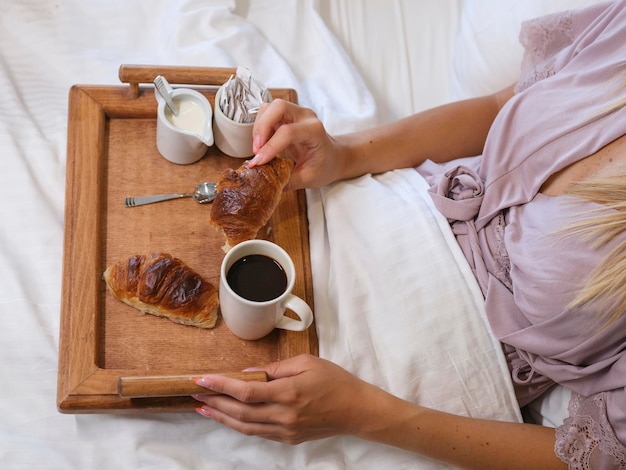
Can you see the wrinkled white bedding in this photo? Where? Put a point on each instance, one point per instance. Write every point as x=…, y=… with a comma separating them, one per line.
x=415, y=330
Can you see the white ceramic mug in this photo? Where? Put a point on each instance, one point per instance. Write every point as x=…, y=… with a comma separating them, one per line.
x=184, y=138
x=231, y=137
x=251, y=319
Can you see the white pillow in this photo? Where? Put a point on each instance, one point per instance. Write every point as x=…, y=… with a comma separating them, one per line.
x=486, y=53
x=552, y=408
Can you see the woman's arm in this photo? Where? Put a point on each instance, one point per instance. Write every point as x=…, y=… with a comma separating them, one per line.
x=440, y=134
x=461, y=441
x=310, y=398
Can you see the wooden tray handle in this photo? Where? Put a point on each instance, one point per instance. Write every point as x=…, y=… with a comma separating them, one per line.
x=173, y=385
x=136, y=74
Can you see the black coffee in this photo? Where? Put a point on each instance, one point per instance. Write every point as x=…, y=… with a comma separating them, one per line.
x=257, y=277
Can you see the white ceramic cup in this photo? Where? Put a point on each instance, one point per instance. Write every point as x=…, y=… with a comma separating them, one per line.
x=184, y=139
x=249, y=319
x=231, y=137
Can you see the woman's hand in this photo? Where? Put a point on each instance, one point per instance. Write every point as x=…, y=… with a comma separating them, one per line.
x=306, y=398
x=440, y=134
x=284, y=126
x=310, y=398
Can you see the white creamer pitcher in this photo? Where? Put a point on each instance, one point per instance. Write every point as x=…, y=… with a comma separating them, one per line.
x=185, y=137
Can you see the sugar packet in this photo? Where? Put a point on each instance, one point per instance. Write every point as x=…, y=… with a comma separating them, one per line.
x=242, y=96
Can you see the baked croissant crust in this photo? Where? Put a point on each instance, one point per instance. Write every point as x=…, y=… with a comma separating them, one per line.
x=165, y=286
x=247, y=197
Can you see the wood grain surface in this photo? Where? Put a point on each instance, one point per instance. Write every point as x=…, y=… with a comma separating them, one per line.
x=174, y=385
x=112, y=154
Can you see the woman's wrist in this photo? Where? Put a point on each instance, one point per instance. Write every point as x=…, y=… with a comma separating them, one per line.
x=355, y=155
x=343, y=159
x=385, y=418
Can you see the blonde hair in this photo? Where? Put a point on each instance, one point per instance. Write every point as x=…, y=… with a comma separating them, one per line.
x=608, y=281
x=613, y=86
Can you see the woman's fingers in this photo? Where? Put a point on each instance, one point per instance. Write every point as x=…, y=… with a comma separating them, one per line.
x=278, y=126
x=236, y=402
x=222, y=406
x=291, y=367
x=246, y=392
x=253, y=391
x=256, y=401
x=266, y=430
x=286, y=127
x=248, y=407
x=306, y=398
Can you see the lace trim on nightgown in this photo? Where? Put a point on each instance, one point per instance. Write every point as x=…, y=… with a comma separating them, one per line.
x=542, y=38
x=502, y=261
x=586, y=439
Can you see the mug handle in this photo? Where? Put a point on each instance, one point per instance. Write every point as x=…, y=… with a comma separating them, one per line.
x=300, y=308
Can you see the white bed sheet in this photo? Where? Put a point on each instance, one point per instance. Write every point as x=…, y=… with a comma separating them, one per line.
x=356, y=62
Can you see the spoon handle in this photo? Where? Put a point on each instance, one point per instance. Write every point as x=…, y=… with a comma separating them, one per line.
x=165, y=90
x=142, y=200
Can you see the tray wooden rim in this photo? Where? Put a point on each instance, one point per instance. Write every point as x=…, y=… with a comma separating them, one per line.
x=83, y=387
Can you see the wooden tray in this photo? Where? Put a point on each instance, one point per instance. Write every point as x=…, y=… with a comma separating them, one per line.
x=112, y=154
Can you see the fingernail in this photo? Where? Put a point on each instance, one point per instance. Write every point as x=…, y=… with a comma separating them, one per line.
x=256, y=143
x=203, y=411
x=254, y=160
x=203, y=382
x=252, y=369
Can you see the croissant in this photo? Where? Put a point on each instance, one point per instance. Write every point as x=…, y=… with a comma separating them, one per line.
x=165, y=286
x=247, y=197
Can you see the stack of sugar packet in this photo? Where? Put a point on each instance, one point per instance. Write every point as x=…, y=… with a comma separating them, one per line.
x=242, y=96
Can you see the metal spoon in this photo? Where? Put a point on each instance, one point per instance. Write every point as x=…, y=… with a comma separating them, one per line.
x=165, y=90
x=204, y=192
